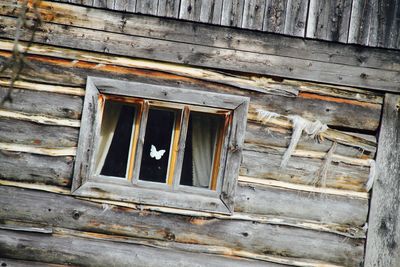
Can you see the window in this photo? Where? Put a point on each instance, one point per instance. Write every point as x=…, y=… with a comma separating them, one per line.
x=159, y=145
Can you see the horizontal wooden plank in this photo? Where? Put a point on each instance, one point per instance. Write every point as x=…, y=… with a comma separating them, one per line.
x=54, y=152
x=263, y=84
x=259, y=135
x=25, y=167
x=355, y=140
x=57, y=105
x=306, y=188
x=324, y=109
x=330, y=110
x=44, y=87
x=301, y=204
x=339, y=229
x=215, y=36
x=200, y=55
x=22, y=263
x=266, y=164
x=41, y=119
x=240, y=235
x=37, y=135
x=85, y=252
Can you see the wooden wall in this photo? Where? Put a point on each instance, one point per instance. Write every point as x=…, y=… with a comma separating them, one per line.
x=281, y=216
x=365, y=22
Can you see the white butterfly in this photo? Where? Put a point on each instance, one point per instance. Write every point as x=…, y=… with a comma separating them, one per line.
x=156, y=154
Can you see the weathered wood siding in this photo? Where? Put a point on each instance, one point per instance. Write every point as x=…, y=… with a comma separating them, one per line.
x=365, y=22
x=281, y=216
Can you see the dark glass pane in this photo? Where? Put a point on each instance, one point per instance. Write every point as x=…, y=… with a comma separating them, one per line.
x=157, y=144
x=201, y=142
x=115, y=138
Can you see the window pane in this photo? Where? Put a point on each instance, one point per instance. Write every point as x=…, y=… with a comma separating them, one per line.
x=200, y=149
x=157, y=145
x=115, y=139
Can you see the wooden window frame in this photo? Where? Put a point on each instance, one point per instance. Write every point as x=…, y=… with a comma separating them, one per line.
x=219, y=199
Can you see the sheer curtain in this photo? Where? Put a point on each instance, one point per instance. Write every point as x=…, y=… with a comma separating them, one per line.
x=111, y=114
x=203, y=143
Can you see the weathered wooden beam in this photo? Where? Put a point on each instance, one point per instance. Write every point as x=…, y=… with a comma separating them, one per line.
x=38, y=135
x=22, y=263
x=250, y=82
x=26, y=167
x=80, y=251
x=300, y=187
x=267, y=135
x=339, y=229
x=199, y=249
x=44, y=87
x=265, y=163
x=330, y=110
x=242, y=235
x=375, y=23
x=384, y=217
x=43, y=103
x=225, y=58
x=42, y=119
x=214, y=36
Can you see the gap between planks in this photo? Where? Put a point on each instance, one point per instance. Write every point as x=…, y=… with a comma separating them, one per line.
x=342, y=230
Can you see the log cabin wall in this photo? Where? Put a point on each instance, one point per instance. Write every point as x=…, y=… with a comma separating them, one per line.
x=366, y=22
x=283, y=217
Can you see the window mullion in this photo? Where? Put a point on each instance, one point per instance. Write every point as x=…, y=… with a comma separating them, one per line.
x=181, y=146
x=219, y=154
x=140, y=141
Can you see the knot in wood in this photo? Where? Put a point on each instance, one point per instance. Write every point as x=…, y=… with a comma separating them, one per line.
x=76, y=214
x=170, y=236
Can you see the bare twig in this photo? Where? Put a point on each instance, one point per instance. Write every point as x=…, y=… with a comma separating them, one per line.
x=17, y=61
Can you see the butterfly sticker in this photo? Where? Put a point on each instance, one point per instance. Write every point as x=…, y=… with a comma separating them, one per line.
x=156, y=154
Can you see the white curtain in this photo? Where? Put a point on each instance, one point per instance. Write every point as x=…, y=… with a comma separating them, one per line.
x=111, y=114
x=203, y=144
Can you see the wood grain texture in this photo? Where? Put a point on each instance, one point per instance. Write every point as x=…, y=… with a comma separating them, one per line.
x=364, y=22
x=168, y=8
x=29, y=133
x=59, y=249
x=211, y=11
x=296, y=18
x=259, y=136
x=266, y=164
x=275, y=14
x=22, y=263
x=44, y=103
x=232, y=13
x=25, y=167
x=253, y=14
x=375, y=23
x=195, y=33
x=148, y=7
x=190, y=10
x=239, y=61
x=384, y=217
x=329, y=20
x=169, y=227
x=125, y=5
x=330, y=110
